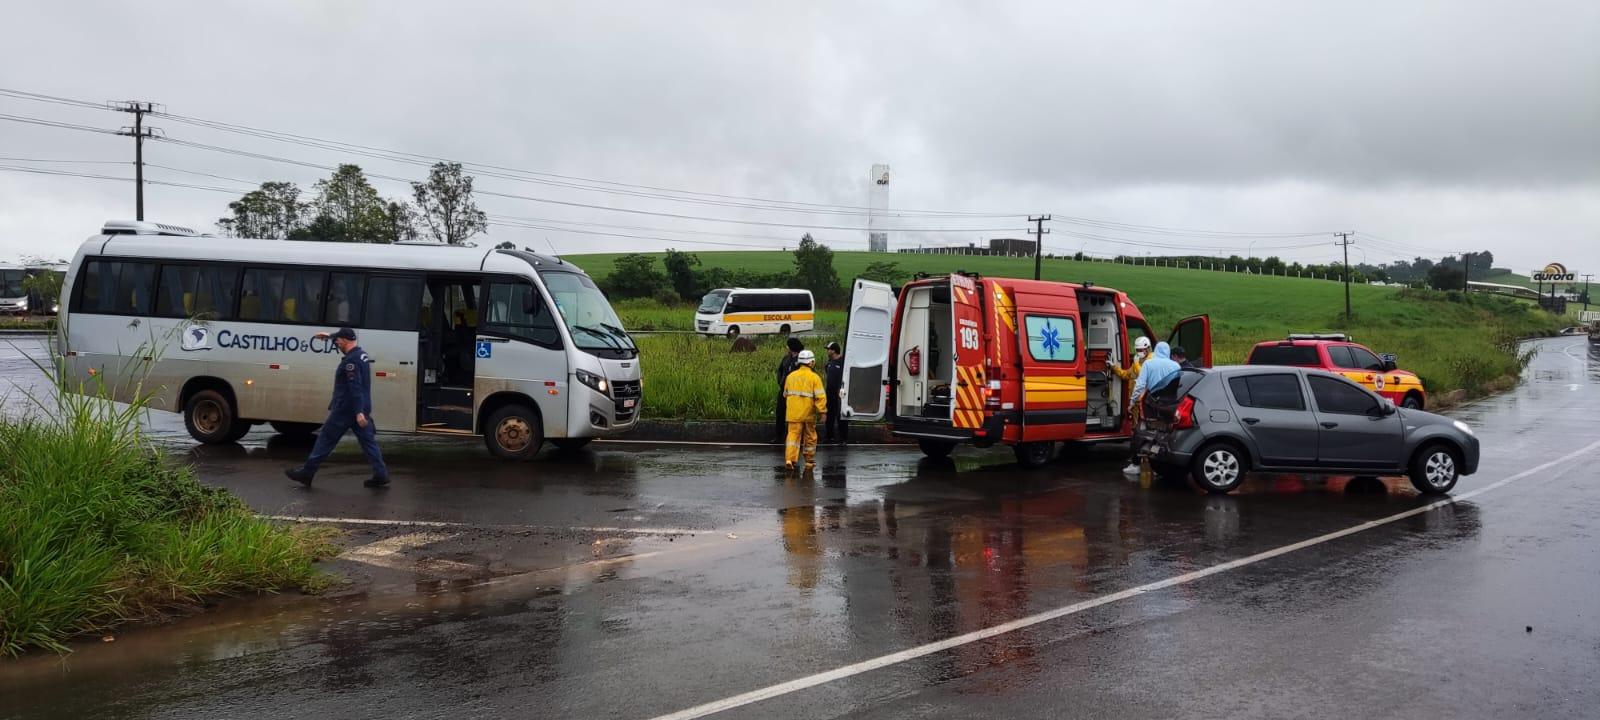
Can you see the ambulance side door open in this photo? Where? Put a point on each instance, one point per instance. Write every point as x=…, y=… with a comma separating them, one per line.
x=866, y=351
x=1193, y=334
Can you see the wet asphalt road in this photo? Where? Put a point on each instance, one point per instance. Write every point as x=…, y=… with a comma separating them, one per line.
x=633, y=581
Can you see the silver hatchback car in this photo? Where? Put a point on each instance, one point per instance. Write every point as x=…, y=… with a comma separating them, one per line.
x=1213, y=426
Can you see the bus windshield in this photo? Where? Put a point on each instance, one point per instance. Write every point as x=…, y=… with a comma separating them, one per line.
x=594, y=326
x=11, y=284
x=713, y=301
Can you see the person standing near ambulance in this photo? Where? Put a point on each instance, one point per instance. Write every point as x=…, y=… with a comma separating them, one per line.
x=807, y=399
x=1154, y=374
x=350, y=409
x=835, y=429
x=785, y=366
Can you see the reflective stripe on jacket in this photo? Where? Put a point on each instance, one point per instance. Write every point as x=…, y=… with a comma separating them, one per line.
x=804, y=396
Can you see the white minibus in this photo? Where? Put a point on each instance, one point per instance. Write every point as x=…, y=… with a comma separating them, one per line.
x=743, y=311
x=514, y=346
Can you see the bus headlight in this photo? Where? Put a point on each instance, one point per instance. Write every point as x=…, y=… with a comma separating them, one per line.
x=595, y=381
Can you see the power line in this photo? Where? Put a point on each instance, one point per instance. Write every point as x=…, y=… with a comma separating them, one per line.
x=55, y=124
x=591, y=206
x=92, y=176
x=64, y=161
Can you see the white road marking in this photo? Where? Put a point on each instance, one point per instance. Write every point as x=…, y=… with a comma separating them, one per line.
x=732, y=443
x=809, y=681
x=385, y=553
x=443, y=524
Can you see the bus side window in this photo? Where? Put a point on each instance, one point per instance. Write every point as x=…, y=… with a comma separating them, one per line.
x=199, y=291
x=505, y=313
x=278, y=295
x=345, y=293
x=118, y=287
x=393, y=303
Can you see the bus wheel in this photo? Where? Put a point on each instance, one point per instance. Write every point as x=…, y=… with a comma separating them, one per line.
x=293, y=429
x=570, y=444
x=513, y=433
x=212, y=419
x=1034, y=454
x=733, y=331
x=936, y=448
x=784, y=331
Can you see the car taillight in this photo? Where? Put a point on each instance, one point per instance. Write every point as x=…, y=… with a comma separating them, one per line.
x=1183, y=419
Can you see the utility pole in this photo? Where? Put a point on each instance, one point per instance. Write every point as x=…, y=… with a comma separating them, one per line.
x=1344, y=242
x=1586, y=292
x=1038, y=231
x=139, y=133
x=1466, y=272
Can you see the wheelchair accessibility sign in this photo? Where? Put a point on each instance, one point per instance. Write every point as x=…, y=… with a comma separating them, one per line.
x=485, y=349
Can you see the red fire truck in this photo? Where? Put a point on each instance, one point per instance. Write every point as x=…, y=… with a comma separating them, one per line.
x=968, y=359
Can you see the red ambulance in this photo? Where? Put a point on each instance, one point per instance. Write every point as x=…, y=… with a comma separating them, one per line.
x=968, y=359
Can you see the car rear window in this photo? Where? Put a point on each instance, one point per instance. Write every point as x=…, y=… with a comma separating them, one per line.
x=1283, y=355
x=1277, y=391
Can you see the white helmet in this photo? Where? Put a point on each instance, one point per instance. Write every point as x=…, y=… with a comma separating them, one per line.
x=806, y=357
x=1141, y=344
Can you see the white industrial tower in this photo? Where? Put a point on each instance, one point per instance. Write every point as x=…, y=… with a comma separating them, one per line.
x=878, y=207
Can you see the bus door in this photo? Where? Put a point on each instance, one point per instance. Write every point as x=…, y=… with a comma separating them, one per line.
x=447, y=352
x=519, y=349
x=971, y=384
x=1050, y=346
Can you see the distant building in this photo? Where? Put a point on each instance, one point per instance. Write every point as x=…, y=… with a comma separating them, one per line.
x=1005, y=247
x=1011, y=246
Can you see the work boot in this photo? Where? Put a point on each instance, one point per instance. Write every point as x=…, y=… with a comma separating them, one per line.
x=299, y=475
x=376, y=481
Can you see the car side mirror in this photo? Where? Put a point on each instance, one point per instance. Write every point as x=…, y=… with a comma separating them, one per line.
x=1386, y=407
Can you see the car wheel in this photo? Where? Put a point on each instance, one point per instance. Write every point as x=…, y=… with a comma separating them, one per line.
x=1435, y=470
x=1034, y=454
x=513, y=433
x=1218, y=469
x=733, y=331
x=570, y=444
x=936, y=448
x=293, y=429
x=1412, y=401
x=211, y=418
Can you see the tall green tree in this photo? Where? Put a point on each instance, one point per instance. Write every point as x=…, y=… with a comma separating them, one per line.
x=446, y=206
x=349, y=209
x=635, y=275
x=402, y=220
x=271, y=212
x=681, y=273
x=813, y=269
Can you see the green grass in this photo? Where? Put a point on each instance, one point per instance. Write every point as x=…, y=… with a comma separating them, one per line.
x=97, y=528
x=1453, y=342
x=690, y=376
x=28, y=322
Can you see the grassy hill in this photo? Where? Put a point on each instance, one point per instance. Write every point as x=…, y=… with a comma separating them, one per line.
x=1451, y=341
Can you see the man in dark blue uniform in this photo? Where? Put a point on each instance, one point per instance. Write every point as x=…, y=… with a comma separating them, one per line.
x=350, y=409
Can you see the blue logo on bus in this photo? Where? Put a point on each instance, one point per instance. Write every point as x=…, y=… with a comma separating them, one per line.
x=485, y=349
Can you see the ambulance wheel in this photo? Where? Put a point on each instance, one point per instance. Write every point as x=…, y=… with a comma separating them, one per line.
x=1034, y=454
x=733, y=331
x=1411, y=401
x=513, y=433
x=936, y=448
x=570, y=444
x=210, y=417
x=784, y=331
x=293, y=429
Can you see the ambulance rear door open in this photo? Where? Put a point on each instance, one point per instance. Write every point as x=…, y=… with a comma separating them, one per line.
x=971, y=386
x=866, y=351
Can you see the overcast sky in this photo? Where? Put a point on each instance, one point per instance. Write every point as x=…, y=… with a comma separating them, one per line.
x=1424, y=126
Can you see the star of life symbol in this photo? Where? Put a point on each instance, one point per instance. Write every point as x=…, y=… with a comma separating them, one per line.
x=1051, y=339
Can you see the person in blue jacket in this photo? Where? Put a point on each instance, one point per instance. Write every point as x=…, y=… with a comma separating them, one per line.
x=1154, y=374
x=350, y=409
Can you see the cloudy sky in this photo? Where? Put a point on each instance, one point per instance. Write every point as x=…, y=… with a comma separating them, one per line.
x=1426, y=127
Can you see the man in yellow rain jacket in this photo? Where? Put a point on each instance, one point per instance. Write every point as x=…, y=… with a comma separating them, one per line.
x=805, y=399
